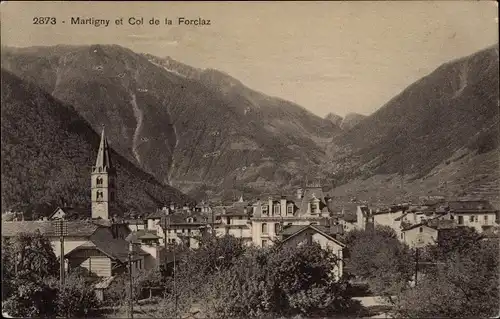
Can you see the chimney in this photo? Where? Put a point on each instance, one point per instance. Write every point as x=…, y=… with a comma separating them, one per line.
x=270, y=209
x=299, y=193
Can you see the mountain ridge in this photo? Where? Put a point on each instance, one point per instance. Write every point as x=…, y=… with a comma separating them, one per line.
x=453, y=110
x=214, y=132
x=61, y=148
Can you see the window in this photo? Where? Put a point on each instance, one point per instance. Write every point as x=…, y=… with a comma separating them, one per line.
x=486, y=218
x=313, y=208
x=99, y=180
x=421, y=229
x=264, y=210
x=277, y=228
x=460, y=220
x=264, y=243
x=264, y=228
x=471, y=218
x=228, y=220
x=276, y=209
x=99, y=195
x=289, y=210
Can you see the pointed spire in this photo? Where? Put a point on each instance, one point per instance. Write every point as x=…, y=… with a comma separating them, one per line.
x=103, y=159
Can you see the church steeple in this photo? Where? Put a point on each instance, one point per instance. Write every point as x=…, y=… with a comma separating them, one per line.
x=103, y=160
x=102, y=182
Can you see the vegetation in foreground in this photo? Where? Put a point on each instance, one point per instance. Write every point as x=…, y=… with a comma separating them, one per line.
x=224, y=279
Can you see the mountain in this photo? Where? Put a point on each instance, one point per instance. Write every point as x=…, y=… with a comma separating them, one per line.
x=334, y=118
x=351, y=120
x=199, y=130
x=48, y=150
x=441, y=133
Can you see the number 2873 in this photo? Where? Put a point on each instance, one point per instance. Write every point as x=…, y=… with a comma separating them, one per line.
x=44, y=20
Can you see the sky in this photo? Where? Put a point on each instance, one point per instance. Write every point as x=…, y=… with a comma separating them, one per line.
x=338, y=57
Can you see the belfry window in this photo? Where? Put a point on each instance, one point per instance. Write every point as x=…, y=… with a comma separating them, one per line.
x=99, y=180
x=99, y=195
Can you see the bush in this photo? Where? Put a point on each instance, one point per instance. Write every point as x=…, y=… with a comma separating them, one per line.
x=279, y=282
x=464, y=283
x=76, y=298
x=31, y=298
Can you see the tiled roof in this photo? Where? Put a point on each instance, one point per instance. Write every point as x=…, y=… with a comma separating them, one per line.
x=401, y=217
x=47, y=228
x=434, y=223
x=115, y=248
x=148, y=236
x=308, y=196
x=80, y=212
x=328, y=232
x=135, y=236
x=464, y=206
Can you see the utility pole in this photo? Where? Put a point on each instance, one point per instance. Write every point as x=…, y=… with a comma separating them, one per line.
x=166, y=228
x=416, y=265
x=61, y=230
x=131, y=287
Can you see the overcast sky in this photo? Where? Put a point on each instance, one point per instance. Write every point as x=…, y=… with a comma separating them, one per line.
x=336, y=57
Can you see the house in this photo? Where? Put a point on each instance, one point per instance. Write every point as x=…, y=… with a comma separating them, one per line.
x=235, y=221
x=183, y=228
x=148, y=242
x=477, y=214
x=324, y=235
x=355, y=216
x=81, y=235
x=57, y=214
x=308, y=206
x=425, y=233
x=68, y=213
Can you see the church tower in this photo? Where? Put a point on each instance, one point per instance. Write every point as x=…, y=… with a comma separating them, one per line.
x=102, y=182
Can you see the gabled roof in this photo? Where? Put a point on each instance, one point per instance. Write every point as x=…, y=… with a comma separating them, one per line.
x=69, y=212
x=435, y=223
x=296, y=230
x=138, y=235
x=401, y=217
x=415, y=226
x=47, y=227
x=114, y=248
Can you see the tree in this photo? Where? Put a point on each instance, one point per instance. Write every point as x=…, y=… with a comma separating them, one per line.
x=378, y=257
x=282, y=281
x=76, y=298
x=27, y=256
x=31, y=298
x=463, y=282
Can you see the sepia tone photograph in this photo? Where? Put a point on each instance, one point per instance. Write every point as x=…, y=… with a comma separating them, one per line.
x=261, y=159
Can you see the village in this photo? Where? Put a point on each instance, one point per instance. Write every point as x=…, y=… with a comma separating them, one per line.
x=107, y=244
